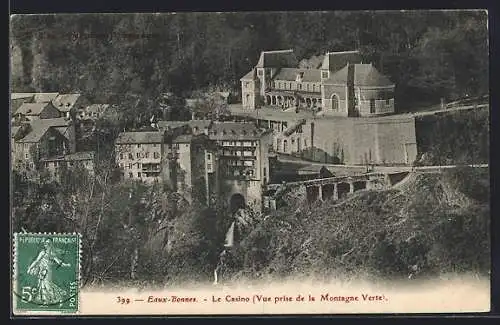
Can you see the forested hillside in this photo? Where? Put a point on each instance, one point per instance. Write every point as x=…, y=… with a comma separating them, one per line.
x=428, y=55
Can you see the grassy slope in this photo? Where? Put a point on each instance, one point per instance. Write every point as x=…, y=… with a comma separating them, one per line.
x=429, y=225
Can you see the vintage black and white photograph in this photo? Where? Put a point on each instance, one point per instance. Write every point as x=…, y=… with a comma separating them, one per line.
x=337, y=159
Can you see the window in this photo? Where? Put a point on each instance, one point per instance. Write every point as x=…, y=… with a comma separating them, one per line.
x=121, y=156
x=146, y=155
x=260, y=73
x=314, y=87
x=155, y=145
x=209, y=166
x=307, y=87
x=131, y=175
x=300, y=86
x=26, y=155
x=139, y=175
x=247, y=84
x=264, y=171
x=387, y=102
x=372, y=105
x=138, y=155
x=305, y=143
x=138, y=145
x=130, y=156
x=139, y=165
x=156, y=155
x=285, y=145
x=130, y=166
x=324, y=74
x=335, y=102
x=209, y=156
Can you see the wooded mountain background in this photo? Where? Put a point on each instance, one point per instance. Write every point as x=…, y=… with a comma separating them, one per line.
x=428, y=54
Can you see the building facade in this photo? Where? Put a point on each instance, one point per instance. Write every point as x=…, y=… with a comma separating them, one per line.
x=243, y=162
x=139, y=155
x=80, y=160
x=341, y=86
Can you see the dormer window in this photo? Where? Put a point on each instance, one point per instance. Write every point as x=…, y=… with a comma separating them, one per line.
x=299, y=77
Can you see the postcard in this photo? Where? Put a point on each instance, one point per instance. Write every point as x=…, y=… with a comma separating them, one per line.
x=197, y=163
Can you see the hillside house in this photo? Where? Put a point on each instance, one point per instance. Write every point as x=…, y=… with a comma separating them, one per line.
x=66, y=102
x=36, y=111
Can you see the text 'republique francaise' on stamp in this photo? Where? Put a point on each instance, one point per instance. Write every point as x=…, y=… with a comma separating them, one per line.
x=46, y=272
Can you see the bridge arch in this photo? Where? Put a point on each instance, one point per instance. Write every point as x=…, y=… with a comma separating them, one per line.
x=343, y=189
x=236, y=202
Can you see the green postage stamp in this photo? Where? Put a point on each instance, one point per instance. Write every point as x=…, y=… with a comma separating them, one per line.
x=46, y=272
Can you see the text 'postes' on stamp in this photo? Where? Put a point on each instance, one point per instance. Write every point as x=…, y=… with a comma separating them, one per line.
x=46, y=272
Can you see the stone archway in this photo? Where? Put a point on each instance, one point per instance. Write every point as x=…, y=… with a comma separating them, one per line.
x=236, y=202
x=335, y=102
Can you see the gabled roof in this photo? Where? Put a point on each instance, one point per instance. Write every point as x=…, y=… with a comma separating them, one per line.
x=334, y=61
x=139, y=137
x=14, y=130
x=277, y=59
x=35, y=97
x=64, y=102
x=200, y=124
x=234, y=131
x=32, y=109
x=250, y=76
x=39, y=127
x=28, y=96
x=44, y=97
x=82, y=155
x=36, y=134
x=338, y=78
x=290, y=74
x=367, y=75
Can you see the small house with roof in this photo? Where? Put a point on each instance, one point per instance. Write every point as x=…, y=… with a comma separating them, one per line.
x=39, y=143
x=36, y=111
x=85, y=160
x=66, y=102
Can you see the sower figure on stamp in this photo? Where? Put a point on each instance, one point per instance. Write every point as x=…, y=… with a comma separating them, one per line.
x=47, y=291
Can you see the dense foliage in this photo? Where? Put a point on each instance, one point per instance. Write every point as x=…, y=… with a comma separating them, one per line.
x=434, y=224
x=460, y=137
x=131, y=58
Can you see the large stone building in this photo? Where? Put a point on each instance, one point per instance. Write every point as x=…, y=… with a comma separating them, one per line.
x=139, y=155
x=210, y=160
x=243, y=162
x=336, y=110
x=341, y=86
x=181, y=160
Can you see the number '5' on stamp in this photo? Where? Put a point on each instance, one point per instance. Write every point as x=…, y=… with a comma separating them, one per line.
x=46, y=272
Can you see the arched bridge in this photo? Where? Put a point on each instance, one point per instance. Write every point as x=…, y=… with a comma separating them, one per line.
x=338, y=187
